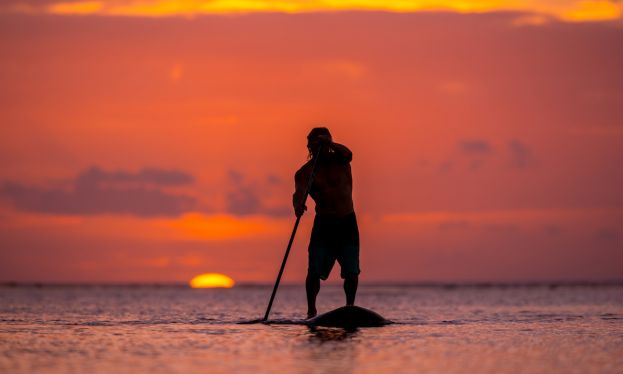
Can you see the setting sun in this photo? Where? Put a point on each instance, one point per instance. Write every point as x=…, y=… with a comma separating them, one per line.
x=212, y=280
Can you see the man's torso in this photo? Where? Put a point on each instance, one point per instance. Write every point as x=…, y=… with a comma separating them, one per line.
x=332, y=186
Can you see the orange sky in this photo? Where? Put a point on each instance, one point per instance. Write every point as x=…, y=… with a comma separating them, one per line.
x=487, y=142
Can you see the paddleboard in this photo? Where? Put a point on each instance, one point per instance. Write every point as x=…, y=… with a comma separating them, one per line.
x=349, y=317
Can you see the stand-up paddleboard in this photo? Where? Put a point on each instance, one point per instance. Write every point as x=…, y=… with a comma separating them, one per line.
x=349, y=317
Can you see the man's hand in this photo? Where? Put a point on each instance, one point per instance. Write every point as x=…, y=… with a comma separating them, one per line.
x=299, y=210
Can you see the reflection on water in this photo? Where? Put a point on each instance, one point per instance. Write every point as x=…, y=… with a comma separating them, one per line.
x=175, y=330
x=332, y=350
x=327, y=334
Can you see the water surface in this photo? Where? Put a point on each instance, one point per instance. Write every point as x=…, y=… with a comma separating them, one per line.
x=534, y=329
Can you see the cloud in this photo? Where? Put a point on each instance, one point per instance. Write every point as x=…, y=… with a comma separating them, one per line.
x=475, y=153
x=475, y=147
x=96, y=191
x=243, y=200
x=475, y=150
x=96, y=176
x=607, y=234
x=235, y=177
x=521, y=155
x=273, y=179
x=246, y=196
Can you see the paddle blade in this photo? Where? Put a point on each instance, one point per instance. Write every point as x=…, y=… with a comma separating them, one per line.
x=251, y=322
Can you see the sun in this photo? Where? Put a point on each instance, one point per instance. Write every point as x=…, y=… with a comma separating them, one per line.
x=211, y=280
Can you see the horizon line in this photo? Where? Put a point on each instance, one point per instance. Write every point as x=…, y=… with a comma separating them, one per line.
x=415, y=284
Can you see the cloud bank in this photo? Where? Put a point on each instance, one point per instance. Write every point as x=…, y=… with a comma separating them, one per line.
x=96, y=191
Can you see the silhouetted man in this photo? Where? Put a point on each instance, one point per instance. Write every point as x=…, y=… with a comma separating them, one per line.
x=335, y=235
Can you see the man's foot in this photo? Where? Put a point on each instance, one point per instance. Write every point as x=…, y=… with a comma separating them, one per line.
x=311, y=313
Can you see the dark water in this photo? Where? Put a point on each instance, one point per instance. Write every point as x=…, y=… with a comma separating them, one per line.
x=537, y=329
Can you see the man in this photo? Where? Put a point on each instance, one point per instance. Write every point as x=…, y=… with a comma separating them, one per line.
x=335, y=235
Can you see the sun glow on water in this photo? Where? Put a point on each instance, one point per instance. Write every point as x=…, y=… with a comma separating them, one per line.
x=212, y=280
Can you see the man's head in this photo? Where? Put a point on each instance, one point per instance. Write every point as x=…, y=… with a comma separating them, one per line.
x=314, y=139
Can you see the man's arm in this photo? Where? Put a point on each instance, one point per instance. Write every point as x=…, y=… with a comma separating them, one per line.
x=339, y=149
x=300, y=185
x=342, y=151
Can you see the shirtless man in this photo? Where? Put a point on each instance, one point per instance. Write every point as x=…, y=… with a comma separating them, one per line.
x=335, y=235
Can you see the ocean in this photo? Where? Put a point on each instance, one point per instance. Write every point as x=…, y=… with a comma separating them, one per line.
x=438, y=329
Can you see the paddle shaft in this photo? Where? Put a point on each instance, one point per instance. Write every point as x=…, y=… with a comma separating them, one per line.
x=296, y=225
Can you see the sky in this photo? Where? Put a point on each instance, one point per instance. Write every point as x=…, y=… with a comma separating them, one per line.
x=151, y=141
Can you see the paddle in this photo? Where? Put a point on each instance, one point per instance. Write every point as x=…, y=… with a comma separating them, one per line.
x=296, y=225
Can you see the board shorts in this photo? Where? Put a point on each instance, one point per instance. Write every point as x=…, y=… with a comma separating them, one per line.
x=334, y=239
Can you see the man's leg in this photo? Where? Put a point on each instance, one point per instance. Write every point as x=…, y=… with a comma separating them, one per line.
x=312, y=286
x=350, y=288
x=348, y=258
